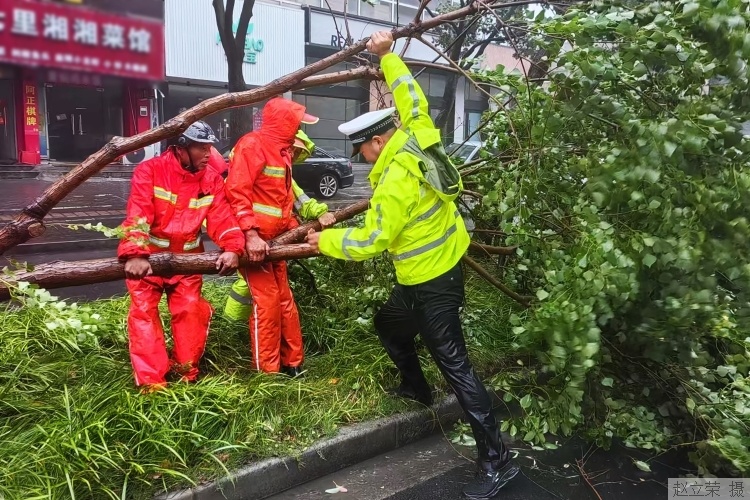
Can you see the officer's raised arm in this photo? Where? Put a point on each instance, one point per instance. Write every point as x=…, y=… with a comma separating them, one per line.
x=408, y=97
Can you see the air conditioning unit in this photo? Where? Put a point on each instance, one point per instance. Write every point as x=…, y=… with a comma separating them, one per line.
x=140, y=155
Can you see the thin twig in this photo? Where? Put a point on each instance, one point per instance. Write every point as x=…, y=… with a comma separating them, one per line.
x=417, y=19
x=496, y=232
x=468, y=77
x=585, y=477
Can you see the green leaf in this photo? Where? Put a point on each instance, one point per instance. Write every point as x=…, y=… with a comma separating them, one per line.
x=690, y=9
x=642, y=465
x=526, y=401
x=640, y=69
x=669, y=148
x=542, y=294
x=690, y=404
x=607, y=382
x=649, y=260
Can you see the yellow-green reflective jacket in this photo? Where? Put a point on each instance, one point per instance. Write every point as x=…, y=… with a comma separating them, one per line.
x=412, y=212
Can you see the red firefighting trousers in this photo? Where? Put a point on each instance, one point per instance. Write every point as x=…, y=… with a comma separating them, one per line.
x=191, y=315
x=275, y=332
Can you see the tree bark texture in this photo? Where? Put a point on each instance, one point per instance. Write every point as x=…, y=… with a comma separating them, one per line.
x=29, y=223
x=86, y=272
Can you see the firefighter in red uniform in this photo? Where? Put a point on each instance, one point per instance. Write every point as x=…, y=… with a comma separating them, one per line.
x=259, y=188
x=171, y=195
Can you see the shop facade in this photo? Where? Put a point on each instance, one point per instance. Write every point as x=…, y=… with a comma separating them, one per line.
x=74, y=76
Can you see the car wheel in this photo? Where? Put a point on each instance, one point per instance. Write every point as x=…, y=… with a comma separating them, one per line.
x=328, y=185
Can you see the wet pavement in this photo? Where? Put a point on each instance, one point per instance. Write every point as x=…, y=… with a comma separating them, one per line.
x=436, y=469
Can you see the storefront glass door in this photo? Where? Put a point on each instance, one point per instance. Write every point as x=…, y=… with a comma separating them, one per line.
x=76, y=118
x=8, y=151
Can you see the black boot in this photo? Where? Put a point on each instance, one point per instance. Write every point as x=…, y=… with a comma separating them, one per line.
x=293, y=371
x=405, y=391
x=488, y=483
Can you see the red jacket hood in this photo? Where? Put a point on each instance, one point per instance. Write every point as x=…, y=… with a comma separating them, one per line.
x=281, y=120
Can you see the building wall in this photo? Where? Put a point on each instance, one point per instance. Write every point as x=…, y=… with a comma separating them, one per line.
x=274, y=45
x=496, y=55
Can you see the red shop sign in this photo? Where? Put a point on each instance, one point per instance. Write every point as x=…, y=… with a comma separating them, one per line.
x=76, y=38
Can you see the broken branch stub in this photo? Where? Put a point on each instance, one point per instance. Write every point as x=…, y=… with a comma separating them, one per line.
x=28, y=223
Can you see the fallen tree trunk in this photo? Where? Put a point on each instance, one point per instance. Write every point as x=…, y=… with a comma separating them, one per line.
x=87, y=272
x=28, y=223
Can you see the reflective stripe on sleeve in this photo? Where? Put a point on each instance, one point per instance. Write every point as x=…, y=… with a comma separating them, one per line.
x=278, y=172
x=159, y=242
x=409, y=81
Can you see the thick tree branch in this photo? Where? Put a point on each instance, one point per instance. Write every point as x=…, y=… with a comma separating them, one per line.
x=220, y=14
x=491, y=250
x=63, y=274
x=245, y=15
x=298, y=234
x=521, y=299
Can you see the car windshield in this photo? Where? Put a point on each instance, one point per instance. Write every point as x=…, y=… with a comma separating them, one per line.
x=463, y=152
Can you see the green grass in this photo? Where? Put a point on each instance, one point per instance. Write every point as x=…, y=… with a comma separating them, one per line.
x=72, y=424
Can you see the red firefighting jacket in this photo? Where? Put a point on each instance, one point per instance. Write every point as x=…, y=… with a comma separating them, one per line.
x=259, y=184
x=167, y=206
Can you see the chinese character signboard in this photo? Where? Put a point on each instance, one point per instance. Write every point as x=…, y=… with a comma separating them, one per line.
x=76, y=38
x=30, y=115
x=30, y=122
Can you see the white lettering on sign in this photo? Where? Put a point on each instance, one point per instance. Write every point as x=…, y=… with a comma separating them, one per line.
x=24, y=22
x=85, y=32
x=113, y=36
x=55, y=27
x=140, y=40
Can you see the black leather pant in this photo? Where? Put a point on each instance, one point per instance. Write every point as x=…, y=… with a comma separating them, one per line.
x=431, y=309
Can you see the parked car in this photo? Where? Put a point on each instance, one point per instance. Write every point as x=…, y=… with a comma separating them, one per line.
x=465, y=151
x=323, y=173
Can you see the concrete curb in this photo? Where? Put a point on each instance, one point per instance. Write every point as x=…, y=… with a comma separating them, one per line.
x=352, y=445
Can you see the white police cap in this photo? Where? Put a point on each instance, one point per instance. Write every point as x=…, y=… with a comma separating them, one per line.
x=366, y=126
